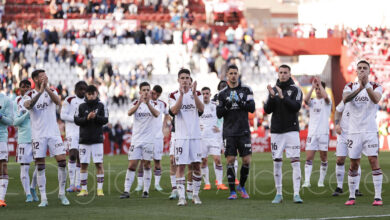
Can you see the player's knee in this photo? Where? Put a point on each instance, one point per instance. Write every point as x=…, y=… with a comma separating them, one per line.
x=72, y=158
x=309, y=162
x=340, y=162
x=61, y=163
x=353, y=173
x=295, y=159
x=41, y=167
x=278, y=159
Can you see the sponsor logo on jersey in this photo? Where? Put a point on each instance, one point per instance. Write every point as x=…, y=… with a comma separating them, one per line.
x=207, y=116
x=143, y=114
x=42, y=105
x=361, y=99
x=188, y=107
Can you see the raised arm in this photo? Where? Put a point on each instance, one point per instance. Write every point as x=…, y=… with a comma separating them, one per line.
x=53, y=96
x=134, y=108
x=375, y=95
x=66, y=114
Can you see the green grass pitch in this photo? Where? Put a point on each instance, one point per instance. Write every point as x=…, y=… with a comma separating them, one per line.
x=318, y=202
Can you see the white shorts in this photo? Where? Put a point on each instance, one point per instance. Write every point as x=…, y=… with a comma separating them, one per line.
x=72, y=143
x=210, y=147
x=367, y=143
x=318, y=142
x=187, y=151
x=88, y=150
x=288, y=141
x=4, y=151
x=141, y=151
x=342, y=146
x=24, y=153
x=55, y=145
x=158, y=149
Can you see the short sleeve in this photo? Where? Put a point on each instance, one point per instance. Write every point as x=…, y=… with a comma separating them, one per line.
x=348, y=88
x=172, y=99
x=340, y=107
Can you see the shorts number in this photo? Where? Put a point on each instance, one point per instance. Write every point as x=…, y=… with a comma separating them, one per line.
x=21, y=151
x=131, y=149
x=274, y=146
x=179, y=150
x=308, y=140
x=83, y=151
x=349, y=143
x=35, y=145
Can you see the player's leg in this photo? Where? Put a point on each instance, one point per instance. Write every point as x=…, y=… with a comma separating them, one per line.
x=311, y=148
x=277, y=148
x=181, y=159
x=34, y=185
x=324, y=167
x=58, y=149
x=204, y=166
x=218, y=169
x=85, y=159
x=77, y=173
x=205, y=174
x=39, y=152
x=195, y=154
x=355, y=146
x=357, y=191
x=3, y=179
x=231, y=144
x=140, y=177
x=130, y=175
x=157, y=156
x=293, y=151
x=24, y=157
x=72, y=169
x=172, y=172
x=236, y=181
x=377, y=178
x=189, y=182
x=97, y=157
x=245, y=150
x=340, y=172
x=147, y=178
x=323, y=148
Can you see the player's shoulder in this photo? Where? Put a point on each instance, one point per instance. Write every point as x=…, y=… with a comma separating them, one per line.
x=295, y=87
x=18, y=99
x=198, y=93
x=30, y=93
x=173, y=94
x=162, y=102
x=135, y=101
x=375, y=85
x=69, y=99
x=223, y=91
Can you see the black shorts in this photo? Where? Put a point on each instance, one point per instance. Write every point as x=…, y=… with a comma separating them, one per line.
x=242, y=144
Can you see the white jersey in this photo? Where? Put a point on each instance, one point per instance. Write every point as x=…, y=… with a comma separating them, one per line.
x=187, y=119
x=158, y=123
x=208, y=120
x=341, y=107
x=143, y=125
x=319, y=117
x=362, y=110
x=69, y=108
x=43, y=115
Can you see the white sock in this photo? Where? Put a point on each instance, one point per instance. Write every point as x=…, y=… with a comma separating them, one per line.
x=34, y=178
x=377, y=178
x=71, y=172
x=147, y=179
x=84, y=181
x=236, y=167
x=61, y=180
x=219, y=173
x=308, y=170
x=340, y=172
x=358, y=178
x=129, y=180
x=100, y=180
x=173, y=182
x=180, y=187
x=323, y=170
x=352, y=179
x=205, y=174
x=25, y=178
x=189, y=186
x=296, y=176
x=157, y=177
x=197, y=181
x=278, y=176
x=3, y=186
x=77, y=176
x=140, y=180
x=41, y=180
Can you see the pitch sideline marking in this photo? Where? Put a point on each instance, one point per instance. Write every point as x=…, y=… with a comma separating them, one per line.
x=347, y=217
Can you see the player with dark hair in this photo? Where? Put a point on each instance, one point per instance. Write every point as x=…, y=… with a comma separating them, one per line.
x=41, y=102
x=234, y=103
x=68, y=111
x=284, y=102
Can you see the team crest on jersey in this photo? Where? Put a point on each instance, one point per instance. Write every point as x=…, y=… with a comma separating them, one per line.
x=241, y=95
x=289, y=92
x=46, y=96
x=192, y=96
